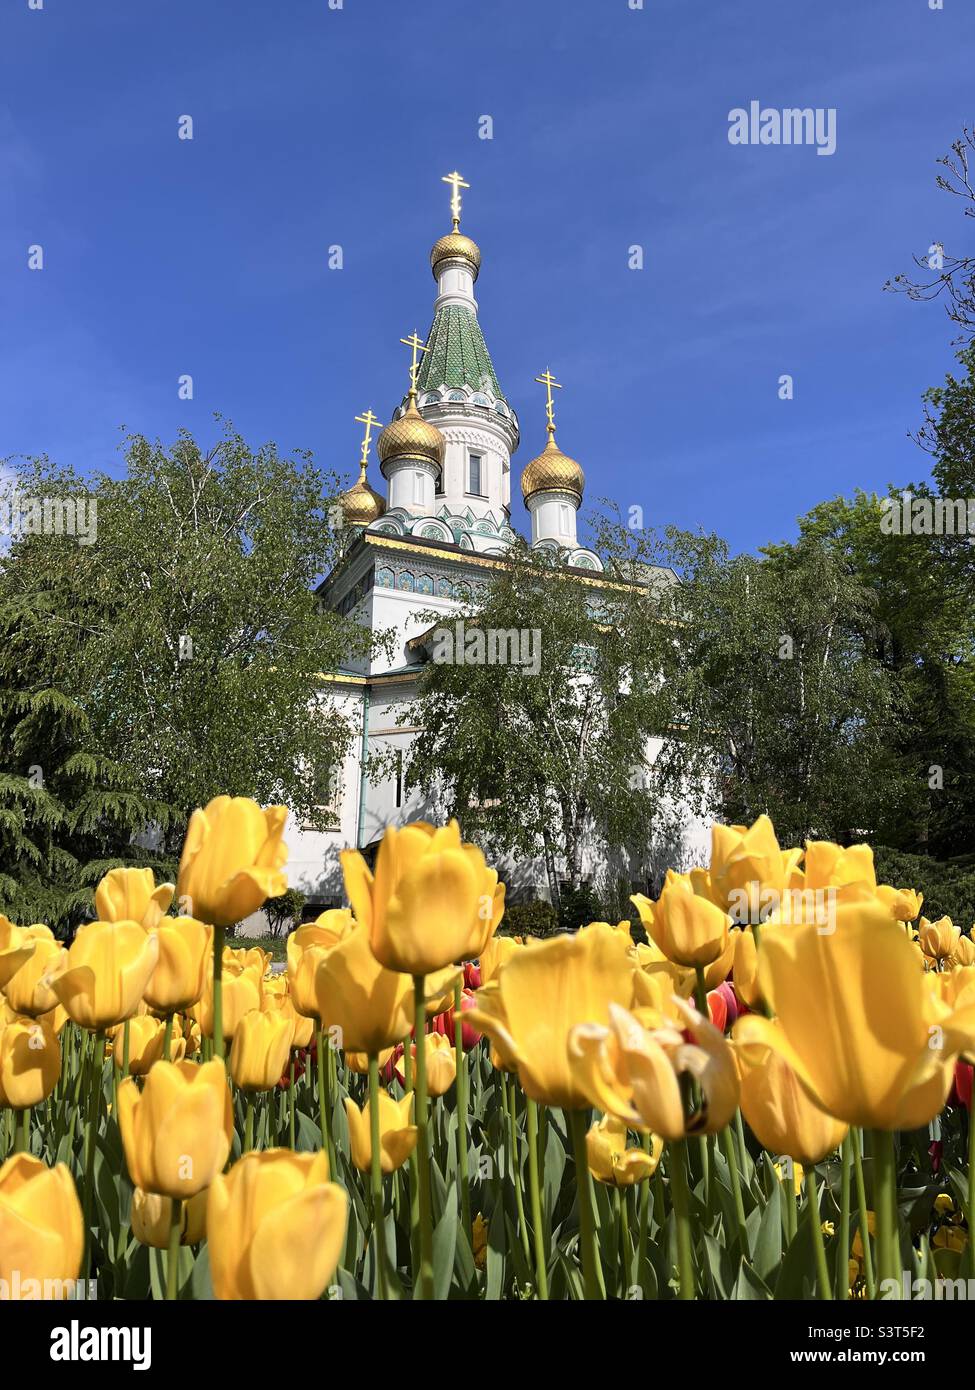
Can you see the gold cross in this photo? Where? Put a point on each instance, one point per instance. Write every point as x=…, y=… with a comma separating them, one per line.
x=418, y=346
x=548, y=381
x=369, y=420
x=457, y=183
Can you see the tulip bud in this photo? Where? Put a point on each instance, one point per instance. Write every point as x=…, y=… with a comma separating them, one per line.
x=109, y=965
x=276, y=1227
x=260, y=1049
x=185, y=951
x=397, y=1137
x=152, y=1216
x=30, y=1063
x=131, y=895
x=177, y=1130
x=232, y=860
x=41, y=1227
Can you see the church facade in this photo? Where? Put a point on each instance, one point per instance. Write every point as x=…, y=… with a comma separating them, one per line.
x=444, y=522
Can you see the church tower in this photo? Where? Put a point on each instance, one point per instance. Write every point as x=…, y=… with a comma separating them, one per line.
x=458, y=392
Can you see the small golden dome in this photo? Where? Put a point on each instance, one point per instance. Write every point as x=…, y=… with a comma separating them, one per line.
x=360, y=505
x=552, y=470
x=456, y=246
x=411, y=437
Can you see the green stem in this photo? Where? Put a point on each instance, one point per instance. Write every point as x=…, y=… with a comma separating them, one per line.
x=465, y=1187
x=535, y=1196
x=626, y=1244
x=94, y=1109
x=249, y=1122
x=218, y=940
x=126, y=1042
x=728, y=1144
x=172, y=1254
x=325, y=1105
x=842, y=1281
x=511, y=1109
x=885, y=1205
x=862, y=1215
x=376, y=1174
x=22, y=1138
x=678, y=1182
x=822, y=1270
x=291, y=1102
x=591, y=1269
x=422, y=1120
x=168, y=1039
x=641, y=1246
x=787, y=1181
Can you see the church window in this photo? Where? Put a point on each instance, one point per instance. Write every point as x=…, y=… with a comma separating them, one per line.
x=438, y=485
x=418, y=487
x=399, y=777
x=431, y=398
x=481, y=400
x=457, y=396
x=474, y=475
x=564, y=518
x=501, y=408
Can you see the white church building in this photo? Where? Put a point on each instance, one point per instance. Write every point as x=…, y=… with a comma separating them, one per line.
x=446, y=517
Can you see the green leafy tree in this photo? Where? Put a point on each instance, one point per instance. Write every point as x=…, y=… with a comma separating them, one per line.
x=549, y=756
x=784, y=692
x=187, y=638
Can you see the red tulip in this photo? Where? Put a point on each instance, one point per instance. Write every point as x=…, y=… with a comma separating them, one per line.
x=472, y=975
x=961, y=1086
x=444, y=1023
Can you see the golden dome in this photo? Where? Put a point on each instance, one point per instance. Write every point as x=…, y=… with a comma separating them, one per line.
x=360, y=505
x=411, y=437
x=552, y=470
x=456, y=246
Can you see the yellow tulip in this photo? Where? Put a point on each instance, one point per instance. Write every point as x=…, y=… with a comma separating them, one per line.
x=441, y=1063
x=964, y=953
x=544, y=993
x=232, y=860
x=364, y=1006
x=30, y=1062
x=277, y=999
x=903, y=904
x=798, y=1173
x=781, y=1116
x=185, y=951
x=147, y=1036
x=745, y=977
x=306, y=947
x=832, y=866
x=131, y=895
x=249, y=958
x=259, y=1055
x=358, y=1062
x=276, y=1227
x=689, y=929
x=748, y=869
x=938, y=939
x=29, y=988
x=397, y=1136
x=635, y=1073
x=108, y=968
x=16, y=946
x=243, y=990
x=152, y=1216
x=432, y=902
x=498, y=950
x=491, y=1006
x=178, y=1129
x=871, y=1041
x=610, y=1161
x=41, y=1227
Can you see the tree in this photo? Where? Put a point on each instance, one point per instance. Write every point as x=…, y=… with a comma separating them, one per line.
x=783, y=689
x=953, y=277
x=545, y=753
x=188, y=635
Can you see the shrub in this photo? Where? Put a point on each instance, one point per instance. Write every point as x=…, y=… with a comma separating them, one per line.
x=535, y=918
x=948, y=885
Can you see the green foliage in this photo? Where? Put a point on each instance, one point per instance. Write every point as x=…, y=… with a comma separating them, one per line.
x=539, y=762
x=948, y=885
x=779, y=689
x=536, y=918
x=174, y=659
x=578, y=907
x=284, y=912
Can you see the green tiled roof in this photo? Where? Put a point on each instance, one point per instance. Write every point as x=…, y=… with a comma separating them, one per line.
x=457, y=354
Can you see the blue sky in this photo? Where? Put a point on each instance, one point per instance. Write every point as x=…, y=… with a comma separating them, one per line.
x=316, y=126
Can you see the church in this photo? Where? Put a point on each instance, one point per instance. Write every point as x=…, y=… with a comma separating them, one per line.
x=446, y=460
